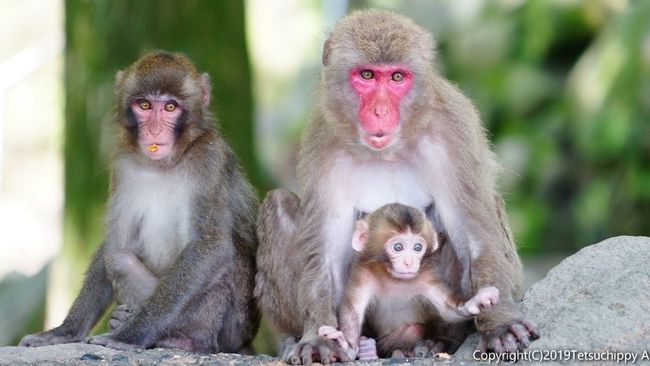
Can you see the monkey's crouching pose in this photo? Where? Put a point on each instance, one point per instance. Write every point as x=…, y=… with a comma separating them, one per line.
x=392, y=285
x=178, y=257
x=387, y=128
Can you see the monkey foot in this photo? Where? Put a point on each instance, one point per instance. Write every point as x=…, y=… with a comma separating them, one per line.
x=367, y=349
x=428, y=348
x=313, y=349
x=47, y=339
x=120, y=315
x=106, y=341
x=510, y=337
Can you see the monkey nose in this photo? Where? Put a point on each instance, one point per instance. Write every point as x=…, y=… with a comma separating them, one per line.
x=380, y=110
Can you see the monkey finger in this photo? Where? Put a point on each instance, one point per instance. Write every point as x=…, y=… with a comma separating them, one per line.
x=325, y=354
x=473, y=309
x=532, y=328
x=398, y=353
x=521, y=333
x=307, y=354
x=495, y=345
x=437, y=348
x=367, y=355
x=509, y=343
x=114, y=324
x=482, y=345
x=122, y=307
x=291, y=354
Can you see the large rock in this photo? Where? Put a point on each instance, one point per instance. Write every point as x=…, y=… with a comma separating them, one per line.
x=596, y=301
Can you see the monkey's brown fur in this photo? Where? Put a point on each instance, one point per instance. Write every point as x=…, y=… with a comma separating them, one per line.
x=442, y=153
x=192, y=288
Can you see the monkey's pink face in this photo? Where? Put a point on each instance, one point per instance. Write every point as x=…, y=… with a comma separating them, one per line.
x=157, y=118
x=380, y=89
x=405, y=252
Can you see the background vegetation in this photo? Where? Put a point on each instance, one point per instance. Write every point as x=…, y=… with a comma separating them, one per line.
x=563, y=87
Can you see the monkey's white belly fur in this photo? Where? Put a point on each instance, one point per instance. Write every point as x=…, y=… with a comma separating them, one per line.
x=154, y=215
x=365, y=187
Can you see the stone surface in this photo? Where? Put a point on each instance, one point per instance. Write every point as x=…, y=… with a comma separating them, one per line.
x=596, y=301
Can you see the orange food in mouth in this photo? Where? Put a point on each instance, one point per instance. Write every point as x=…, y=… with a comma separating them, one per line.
x=153, y=147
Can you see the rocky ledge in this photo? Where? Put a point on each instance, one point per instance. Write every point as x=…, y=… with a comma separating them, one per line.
x=593, y=306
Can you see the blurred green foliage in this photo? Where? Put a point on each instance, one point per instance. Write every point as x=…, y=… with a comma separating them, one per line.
x=564, y=89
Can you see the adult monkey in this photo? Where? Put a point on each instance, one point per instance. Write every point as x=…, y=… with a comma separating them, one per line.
x=387, y=129
x=179, y=252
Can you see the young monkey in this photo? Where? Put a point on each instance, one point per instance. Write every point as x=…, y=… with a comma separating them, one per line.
x=393, y=268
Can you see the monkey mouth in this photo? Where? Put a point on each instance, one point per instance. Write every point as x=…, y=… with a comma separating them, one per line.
x=403, y=275
x=378, y=141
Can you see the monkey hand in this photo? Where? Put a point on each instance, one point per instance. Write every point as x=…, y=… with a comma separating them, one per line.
x=509, y=337
x=484, y=298
x=313, y=348
x=107, y=340
x=349, y=353
x=57, y=335
x=120, y=315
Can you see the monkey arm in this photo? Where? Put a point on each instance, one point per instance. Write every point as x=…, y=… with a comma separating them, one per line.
x=448, y=304
x=351, y=315
x=95, y=296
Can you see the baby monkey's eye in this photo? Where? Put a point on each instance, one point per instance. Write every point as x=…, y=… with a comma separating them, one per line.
x=417, y=247
x=398, y=247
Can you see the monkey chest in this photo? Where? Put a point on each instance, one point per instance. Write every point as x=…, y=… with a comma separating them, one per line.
x=369, y=186
x=153, y=218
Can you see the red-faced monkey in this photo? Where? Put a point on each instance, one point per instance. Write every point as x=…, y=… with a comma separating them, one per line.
x=387, y=128
x=178, y=256
x=392, y=274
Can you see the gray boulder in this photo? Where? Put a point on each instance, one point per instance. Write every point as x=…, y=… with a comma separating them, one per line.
x=596, y=300
x=594, y=305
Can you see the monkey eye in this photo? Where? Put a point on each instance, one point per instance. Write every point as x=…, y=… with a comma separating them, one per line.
x=398, y=76
x=170, y=106
x=144, y=105
x=367, y=74
x=417, y=247
x=398, y=247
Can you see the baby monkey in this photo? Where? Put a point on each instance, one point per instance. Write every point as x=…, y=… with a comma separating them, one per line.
x=392, y=285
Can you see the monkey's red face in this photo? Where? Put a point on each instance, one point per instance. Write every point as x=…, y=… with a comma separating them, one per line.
x=405, y=252
x=157, y=117
x=380, y=89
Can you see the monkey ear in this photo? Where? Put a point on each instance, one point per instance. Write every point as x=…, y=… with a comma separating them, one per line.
x=119, y=80
x=434, y=242
x=360, y=236
x=327, y=49
x=206, y=88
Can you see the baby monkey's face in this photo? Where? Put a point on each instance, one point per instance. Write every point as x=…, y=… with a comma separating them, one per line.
x=405, y=252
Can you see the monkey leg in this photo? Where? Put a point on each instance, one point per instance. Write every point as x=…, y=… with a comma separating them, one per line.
x=502, y=327
x=223, y=319
x=281, y=268
x=275, y=287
